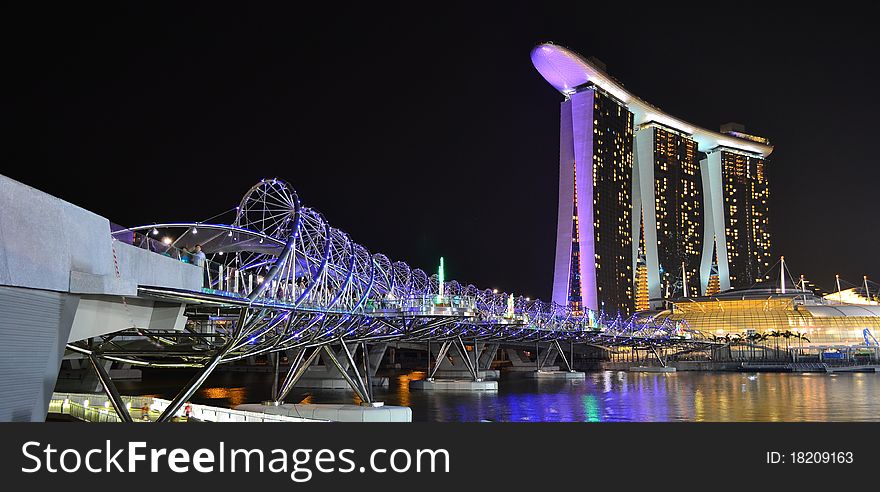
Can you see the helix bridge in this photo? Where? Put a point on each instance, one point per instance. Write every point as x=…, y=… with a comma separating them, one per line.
x=279, y=278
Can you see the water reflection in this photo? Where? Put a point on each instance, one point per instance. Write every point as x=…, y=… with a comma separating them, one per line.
x=603, y=396
x=227, y=396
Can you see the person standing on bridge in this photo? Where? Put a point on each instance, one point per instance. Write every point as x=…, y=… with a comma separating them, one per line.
x=198, y=257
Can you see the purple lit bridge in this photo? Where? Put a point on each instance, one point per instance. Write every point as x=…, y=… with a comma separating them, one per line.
x=279, y=278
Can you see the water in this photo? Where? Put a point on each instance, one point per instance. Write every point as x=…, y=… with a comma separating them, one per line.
x=608, y=396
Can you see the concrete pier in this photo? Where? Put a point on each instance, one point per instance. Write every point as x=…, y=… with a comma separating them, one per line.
x=332, y=412
x=322, y=374
x=452, y=366
x=651, y=369
x=488, y=374
x=330, y=383
x=452, y=385
x=556, y=375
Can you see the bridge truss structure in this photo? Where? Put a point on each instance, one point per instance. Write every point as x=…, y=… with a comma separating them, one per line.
x=279, y=277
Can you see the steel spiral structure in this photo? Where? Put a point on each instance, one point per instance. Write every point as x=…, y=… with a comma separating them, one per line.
x=304, y=282
x=279, y=277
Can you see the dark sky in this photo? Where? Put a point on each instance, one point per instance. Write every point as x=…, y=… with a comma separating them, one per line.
x=427, y=132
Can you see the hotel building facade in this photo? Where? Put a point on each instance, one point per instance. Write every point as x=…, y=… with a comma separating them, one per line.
x=640, y=187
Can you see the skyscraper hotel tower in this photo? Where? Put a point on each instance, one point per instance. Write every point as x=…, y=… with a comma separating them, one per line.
x=638, y=185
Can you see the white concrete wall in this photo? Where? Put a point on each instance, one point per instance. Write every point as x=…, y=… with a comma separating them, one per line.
x=100, y=315
x=47, y=243
x=43, y=239
x=152, y=269
x=58, y=284
x=34, y=325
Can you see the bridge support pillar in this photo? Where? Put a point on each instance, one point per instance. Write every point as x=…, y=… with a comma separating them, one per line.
x=455, y=369
x=194, y=384
x=298, y=366
x=542, y=368
x=327, y=376
x=451, y=360
x=361, y=384
x=520, y=363
x=110, y=389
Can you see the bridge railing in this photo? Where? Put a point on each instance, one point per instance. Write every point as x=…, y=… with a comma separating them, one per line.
x=219, y=278
x=435, y=304
x=96, y=408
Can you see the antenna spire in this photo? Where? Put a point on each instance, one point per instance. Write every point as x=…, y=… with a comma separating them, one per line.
x=782, y=274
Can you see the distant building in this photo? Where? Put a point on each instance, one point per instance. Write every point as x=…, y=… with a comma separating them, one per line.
x=685, y=194
x=714, y=286
x=642, y=302
x=801, y=317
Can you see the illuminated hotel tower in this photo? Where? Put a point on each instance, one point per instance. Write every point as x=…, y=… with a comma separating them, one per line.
x=650, y=172
x=594, y=267
x=669, y=196
x=738, y=212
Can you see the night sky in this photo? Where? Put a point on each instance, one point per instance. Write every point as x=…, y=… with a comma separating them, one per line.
x=427, y=132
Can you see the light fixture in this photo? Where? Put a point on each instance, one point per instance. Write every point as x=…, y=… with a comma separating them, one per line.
x=221, y=253
x=230, y=234
x=195, y=231
x=166, y=240
x=155, y=231
x=494, y=291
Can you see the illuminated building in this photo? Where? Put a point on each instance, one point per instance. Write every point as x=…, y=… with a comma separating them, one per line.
x=808, y=320
x=738, y=226
x=668, y=192
x=685, y=184
x=642, y=303
x=594, y=267
x=853, y=295
x=714, y=285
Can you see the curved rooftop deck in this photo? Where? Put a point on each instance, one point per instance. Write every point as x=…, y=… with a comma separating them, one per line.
x=566, y=70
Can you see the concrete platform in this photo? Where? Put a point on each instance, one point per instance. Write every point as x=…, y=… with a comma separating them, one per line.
x=651, y=369
x=335, y=383
x=527, y=369
x=333, y=412
x=556, y=375
x=453, y=385
x=488, y=374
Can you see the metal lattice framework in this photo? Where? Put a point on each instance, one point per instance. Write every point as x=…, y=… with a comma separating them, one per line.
x=279, y=278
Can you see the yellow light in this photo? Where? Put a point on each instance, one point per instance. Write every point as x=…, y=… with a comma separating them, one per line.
x=166, y=240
